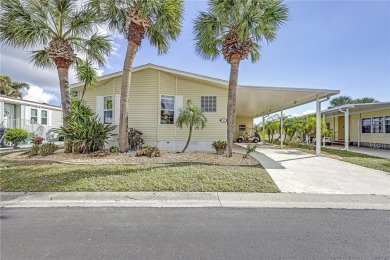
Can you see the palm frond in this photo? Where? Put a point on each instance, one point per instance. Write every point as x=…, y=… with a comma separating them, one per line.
x=41, y=59
x=96, y=48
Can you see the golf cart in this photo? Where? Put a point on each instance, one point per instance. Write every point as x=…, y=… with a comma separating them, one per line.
x=3, y=142
x=247, y=138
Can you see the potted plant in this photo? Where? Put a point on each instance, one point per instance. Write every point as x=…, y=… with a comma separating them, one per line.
x=219, y=146
x=37, y=140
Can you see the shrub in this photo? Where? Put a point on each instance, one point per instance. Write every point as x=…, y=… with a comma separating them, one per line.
x=114, y=150
x=34, y=150
x=250, y=149
x=15, y=135
x=219, y=146
x=82, y=132
x=148, y=151
x=135, y=139
x=37, y=140
x=47, y=149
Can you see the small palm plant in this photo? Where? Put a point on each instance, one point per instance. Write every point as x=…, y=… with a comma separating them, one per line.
x=193, y=117
x=64, y=28
x=160, y=21
x=236, y=29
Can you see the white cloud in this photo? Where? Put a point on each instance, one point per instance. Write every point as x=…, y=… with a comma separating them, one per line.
x=309, y=111
x=38, y=94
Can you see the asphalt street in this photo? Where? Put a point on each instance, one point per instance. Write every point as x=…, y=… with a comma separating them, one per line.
x=193, y=233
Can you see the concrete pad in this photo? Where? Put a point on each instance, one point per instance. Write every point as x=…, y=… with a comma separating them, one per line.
x=364, y=150
x=296, y=171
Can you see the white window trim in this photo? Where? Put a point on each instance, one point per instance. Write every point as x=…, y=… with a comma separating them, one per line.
x=112, y=111
x=159, y=112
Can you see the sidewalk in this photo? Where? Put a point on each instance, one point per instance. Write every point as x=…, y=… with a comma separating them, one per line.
x=192, y=199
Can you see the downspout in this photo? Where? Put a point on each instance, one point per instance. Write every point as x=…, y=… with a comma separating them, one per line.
x=359, y=131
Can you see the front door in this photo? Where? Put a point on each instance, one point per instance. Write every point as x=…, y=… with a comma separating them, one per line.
x=9, y=112
x=341, y=133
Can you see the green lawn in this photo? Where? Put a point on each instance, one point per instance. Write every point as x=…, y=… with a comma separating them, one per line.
x=187, y=177
x=365, y=160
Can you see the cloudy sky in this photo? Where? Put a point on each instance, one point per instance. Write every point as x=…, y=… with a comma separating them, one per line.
x=342, y=45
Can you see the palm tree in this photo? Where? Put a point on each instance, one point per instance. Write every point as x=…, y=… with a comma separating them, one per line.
x=236, y=29
x=193, y=117
x=63, y=29
x=11, y=88
x=340, y=101
x=159, y=21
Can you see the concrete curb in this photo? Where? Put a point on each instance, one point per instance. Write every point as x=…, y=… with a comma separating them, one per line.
x=192, y=199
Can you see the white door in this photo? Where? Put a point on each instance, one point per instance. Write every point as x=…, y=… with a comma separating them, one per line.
x=9, y=112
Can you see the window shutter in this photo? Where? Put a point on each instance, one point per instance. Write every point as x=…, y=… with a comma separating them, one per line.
x=100, y=108
x=27, y=115
x=117, y=108
x=178, y=106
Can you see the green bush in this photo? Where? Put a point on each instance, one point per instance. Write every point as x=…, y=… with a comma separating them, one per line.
x=250, y=149
x=114, y=149
x=47, y=149
x=15, y=135
x=34, y=150
x=219, y=146
x=82, y=132
x=135, y=139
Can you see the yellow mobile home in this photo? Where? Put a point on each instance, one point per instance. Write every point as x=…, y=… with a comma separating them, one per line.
x=158, y=93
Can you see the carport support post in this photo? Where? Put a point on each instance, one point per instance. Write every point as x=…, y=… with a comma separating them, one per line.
x=263, y=129
x=318, y=126
x=281, y=128
x=346, y=126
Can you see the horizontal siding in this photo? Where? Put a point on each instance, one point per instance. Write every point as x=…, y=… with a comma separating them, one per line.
x=214, y=130
x=144, y=104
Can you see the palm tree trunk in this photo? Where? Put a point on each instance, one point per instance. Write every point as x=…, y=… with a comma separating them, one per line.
x=231, y=107
x=82, y=94
x=63, y=75
x=188, y=140
x=125, y=89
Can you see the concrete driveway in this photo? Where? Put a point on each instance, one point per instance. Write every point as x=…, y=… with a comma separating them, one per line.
x=296, y=171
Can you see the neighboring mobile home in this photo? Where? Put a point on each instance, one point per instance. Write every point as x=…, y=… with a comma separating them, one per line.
x=37, y=118
x=158, y=93
x=367, y=125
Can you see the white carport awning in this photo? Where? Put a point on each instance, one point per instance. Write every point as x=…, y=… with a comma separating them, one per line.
x=356, y=108
x=253, y=101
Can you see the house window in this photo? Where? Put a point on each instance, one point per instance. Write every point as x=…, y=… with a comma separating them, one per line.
x=34, y=116
x=377, y=125
x=167, y=114
x=366, y=125
x=108, y=110
x=43, y=117
x=242, y=127
x=387, y=124
x=208, y=103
